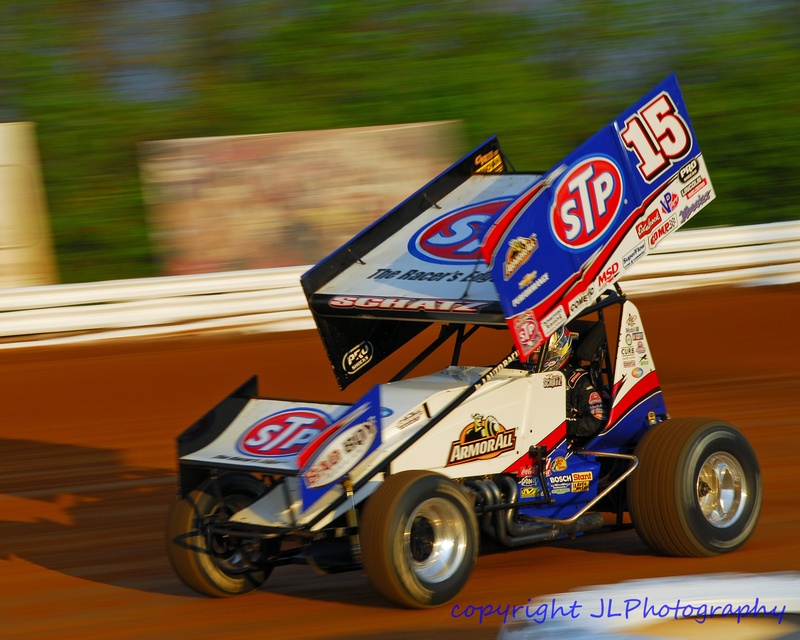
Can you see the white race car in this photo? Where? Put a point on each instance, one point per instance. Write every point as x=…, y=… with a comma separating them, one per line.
x=404, y=482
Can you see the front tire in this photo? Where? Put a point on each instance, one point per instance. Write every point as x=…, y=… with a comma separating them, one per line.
x=211, y=563
x=419, y=539
x=697, y=491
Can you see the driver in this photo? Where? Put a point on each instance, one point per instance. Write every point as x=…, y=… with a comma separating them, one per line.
x=586, y=413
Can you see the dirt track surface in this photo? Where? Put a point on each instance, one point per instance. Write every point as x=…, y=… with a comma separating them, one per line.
x=88, y=472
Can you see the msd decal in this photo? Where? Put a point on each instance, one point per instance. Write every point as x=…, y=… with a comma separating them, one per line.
x=586, y=201
x=284, y=433
x=455, y=237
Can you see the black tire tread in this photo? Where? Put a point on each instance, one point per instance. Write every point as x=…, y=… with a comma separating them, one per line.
x=186, y=545
x=376, y=531
x=653, y=489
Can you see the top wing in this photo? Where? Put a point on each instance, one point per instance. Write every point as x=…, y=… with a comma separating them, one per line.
x=572, y=234
x=481, y=244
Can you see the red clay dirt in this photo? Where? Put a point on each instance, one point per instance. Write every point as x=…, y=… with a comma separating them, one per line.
x=88, y=472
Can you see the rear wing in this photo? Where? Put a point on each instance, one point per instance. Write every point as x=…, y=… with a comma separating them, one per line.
x=482, y=244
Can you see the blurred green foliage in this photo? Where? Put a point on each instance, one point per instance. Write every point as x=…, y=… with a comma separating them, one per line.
x=100, y=76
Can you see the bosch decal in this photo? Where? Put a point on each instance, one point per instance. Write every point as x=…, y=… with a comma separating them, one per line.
x=284, y=433
x=483, y=439
x=586, y=201
x=454, y=238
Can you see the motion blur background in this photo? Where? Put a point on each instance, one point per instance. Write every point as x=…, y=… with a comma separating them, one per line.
x=100, y=78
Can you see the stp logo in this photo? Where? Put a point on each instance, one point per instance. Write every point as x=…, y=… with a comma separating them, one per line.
x=587, y=199
x=284, y=433
x=454, y=238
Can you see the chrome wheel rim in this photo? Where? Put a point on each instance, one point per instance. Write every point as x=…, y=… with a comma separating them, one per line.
x=721, y=489
x=435, y=540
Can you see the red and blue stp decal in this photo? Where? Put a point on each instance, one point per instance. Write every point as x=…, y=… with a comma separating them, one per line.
x=455, y=237
x=283, y=434
x=586, y=202
x=595, y=214
x=336, y=451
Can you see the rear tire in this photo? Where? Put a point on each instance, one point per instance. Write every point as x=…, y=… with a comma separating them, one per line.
x=697, y=490
x=419, y=539
x=215, y=564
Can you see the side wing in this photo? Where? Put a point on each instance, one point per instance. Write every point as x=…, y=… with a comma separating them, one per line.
x=594, y=215
x=418, y=264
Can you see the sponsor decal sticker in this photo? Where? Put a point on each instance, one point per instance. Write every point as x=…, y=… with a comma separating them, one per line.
x=519, y=250
x=527, y=330
x=358, y=357
x=608, y=275
x=558, y=464
x=405, y=304
x=554, y=320
x=582, y=301
x=531, y=492
x=693, y=187
x=689, y=170
x=648, y=224
x=663, y=231
x=702, y=200
x=412, y=417
x=454, y=238
x=283, y=434
x=491, y=162
x=552, y=380
x=578, y=487
x=341, y=454
x=483, y=439
x=529, y=284
x=638, y=372
x=586, y=201
x=668, y=203
x=637, y=252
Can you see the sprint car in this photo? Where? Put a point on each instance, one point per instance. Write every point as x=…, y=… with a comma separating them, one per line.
x=408, y=481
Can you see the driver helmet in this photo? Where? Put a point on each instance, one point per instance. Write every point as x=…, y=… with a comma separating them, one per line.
x=557, y=351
